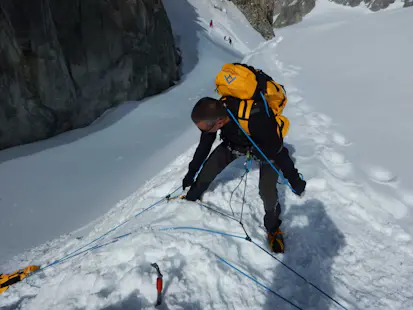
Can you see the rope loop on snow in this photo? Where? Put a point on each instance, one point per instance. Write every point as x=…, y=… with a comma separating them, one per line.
x=257, y=282
x=248, y=238
x=79, y=251
x=84, y=249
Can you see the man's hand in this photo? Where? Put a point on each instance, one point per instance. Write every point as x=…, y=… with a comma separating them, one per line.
x=187, y=182
x=298, y=186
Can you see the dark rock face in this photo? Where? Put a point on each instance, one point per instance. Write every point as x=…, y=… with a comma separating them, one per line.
x=374, y=5
x=64, y=62
x=260, y=14
x=290, y=12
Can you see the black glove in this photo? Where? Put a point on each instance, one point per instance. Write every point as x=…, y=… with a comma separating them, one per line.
x=298, y=185
x=187, y=181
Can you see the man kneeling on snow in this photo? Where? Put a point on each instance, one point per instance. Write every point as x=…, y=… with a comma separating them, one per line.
x=210, y=115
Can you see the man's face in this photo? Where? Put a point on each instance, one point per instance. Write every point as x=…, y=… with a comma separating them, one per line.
x=208, y=126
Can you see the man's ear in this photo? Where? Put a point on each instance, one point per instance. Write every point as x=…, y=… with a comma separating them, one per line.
x=221, y=123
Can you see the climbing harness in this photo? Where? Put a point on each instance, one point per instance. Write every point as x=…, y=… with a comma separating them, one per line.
x=244, y=177
x=258, y=148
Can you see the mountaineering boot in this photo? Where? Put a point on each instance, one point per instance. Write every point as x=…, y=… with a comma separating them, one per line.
x=276, y=241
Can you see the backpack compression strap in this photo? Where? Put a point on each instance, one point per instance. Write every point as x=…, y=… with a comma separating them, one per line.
x=244, y=112
x=261, y=77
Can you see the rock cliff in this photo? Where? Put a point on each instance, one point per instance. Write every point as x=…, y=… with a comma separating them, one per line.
x=264, y=15
x=64, y=62
x=260, y=14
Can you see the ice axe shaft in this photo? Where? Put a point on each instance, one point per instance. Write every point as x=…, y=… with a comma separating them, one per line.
x=159, y=284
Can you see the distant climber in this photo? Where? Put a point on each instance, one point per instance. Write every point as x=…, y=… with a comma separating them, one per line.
x=228, y=39
x=263, y=124
x=211, y=24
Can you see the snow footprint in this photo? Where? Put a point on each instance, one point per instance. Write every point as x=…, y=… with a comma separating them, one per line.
x=403, y=237
x=321, y=119
x=406, y=197
x=293, y=67
x=381, y=175
x=339, y=139
x=290, y=71
x=320, y=123
x=316, y=184
x=336, y=163
x=333, y=157
x=295, y=98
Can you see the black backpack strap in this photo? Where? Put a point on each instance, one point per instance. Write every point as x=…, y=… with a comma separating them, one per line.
x=13, y=279
x=280, y=130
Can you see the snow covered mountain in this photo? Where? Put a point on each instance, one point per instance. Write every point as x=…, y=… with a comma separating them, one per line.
x=264, y=15
x=350, y=237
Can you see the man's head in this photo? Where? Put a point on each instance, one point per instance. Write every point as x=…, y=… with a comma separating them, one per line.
x=209, y=115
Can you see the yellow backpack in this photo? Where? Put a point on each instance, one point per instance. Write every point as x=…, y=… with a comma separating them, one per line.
x=9, y=279
x=251, y=85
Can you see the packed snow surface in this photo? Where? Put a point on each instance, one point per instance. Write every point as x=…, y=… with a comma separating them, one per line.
x=350, y=235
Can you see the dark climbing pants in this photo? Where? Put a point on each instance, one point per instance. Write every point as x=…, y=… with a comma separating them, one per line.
x=222, y=157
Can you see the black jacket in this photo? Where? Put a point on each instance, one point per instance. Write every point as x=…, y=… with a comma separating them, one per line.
x=263, y=130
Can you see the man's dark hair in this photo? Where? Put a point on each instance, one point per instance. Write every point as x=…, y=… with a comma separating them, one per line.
x=209, y=110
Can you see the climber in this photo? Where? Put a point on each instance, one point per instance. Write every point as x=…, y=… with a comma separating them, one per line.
x=228, y=39
x=210, y=115
x=211, y=24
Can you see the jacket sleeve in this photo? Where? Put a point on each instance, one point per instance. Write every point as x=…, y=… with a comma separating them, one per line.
x=201, y=153
x=263, y=131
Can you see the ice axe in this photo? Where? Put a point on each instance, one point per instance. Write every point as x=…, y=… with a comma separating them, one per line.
x=159, y=284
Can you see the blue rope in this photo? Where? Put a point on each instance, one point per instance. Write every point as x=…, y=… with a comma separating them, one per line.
x=68, y=257
x=107, y=233
x=202, y=229
x=248, y=164
x=256, y=281
x=265, y=104
x=115, y=239
x=260, y=247
x=203, y=205
x=261, y=152
x=297, y=274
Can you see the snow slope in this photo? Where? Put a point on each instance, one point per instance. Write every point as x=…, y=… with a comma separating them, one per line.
x=342, y=236
x=362, y=81
x=58, y=185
